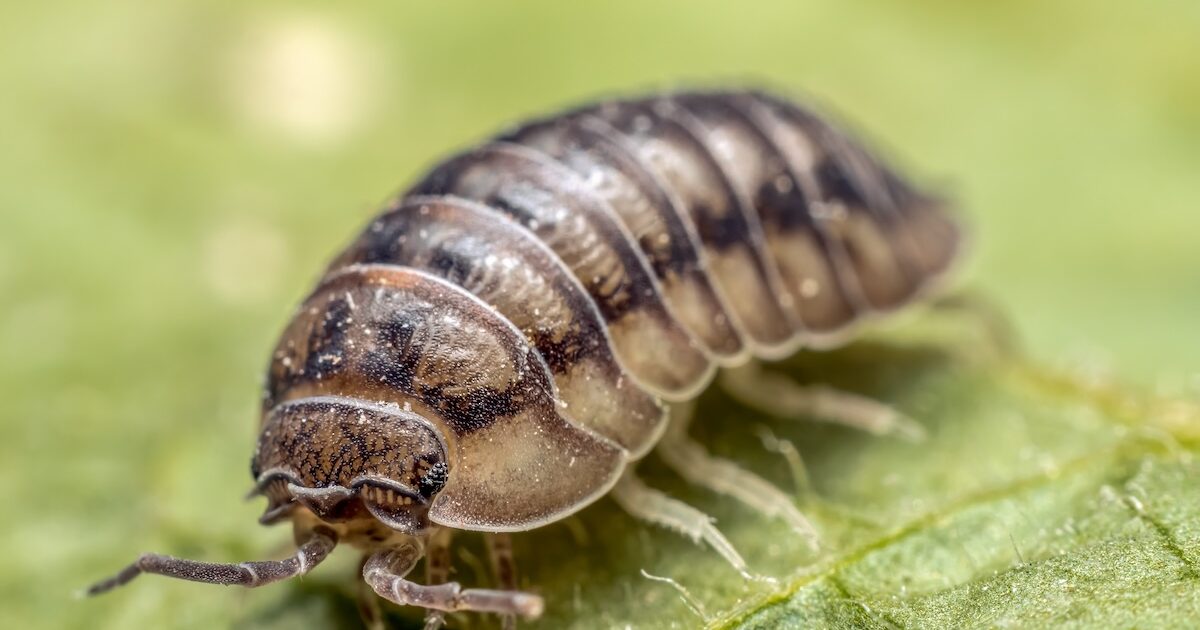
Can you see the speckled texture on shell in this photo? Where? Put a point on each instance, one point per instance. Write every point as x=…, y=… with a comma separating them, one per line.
x=533, y=303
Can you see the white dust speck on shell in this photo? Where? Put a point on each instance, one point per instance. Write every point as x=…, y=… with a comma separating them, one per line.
x=303, y=76
x=242, y=260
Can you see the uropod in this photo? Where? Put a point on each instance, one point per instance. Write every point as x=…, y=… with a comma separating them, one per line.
x=500, y=346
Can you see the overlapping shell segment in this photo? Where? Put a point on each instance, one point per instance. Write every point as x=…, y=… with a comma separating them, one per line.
x=539, y=297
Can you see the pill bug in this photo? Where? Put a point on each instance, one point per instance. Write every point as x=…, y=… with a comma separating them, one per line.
x=499, y=345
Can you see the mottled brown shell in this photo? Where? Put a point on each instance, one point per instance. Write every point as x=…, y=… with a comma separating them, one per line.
x=525, y=310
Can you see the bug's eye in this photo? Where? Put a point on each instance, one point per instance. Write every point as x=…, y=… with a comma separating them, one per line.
x=433, y=479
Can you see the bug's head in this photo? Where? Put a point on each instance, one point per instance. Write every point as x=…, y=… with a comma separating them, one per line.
x=343, y=460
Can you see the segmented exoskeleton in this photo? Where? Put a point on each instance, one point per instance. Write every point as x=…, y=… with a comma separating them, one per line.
x=499, y=345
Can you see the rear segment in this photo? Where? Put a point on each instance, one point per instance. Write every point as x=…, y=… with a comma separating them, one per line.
x=898, y=242
x=815, y=273
x=799, y=231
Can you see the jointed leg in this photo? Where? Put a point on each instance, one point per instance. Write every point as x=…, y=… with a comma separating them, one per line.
x=437, y=571
x=385, y=571
x=778, y=395
x=693, y=462
x=368, y=604
x=504, y=569
x=250, y=574
x=653, y=506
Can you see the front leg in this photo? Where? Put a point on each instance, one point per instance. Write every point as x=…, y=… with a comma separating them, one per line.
x=385, y=571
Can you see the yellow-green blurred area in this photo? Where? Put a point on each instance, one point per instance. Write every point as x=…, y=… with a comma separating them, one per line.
x=174, y=175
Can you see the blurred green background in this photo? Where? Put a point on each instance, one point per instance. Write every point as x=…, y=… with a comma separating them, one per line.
x=174, y=175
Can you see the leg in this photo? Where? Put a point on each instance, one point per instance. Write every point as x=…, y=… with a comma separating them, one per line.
x=385, y=571
x=778, y=395
x=655, y=507
x=693, y=462
x=250, y=574
x=503, y=567
x=437, y=571
x=368, y=604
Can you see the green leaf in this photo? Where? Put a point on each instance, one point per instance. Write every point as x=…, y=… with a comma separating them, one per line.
x=1038, y=500
x=155, y=228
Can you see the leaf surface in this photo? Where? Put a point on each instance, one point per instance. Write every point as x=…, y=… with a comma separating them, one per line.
x=1037, y=500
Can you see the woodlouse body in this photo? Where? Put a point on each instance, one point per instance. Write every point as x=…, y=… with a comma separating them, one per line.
x=500, y=344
